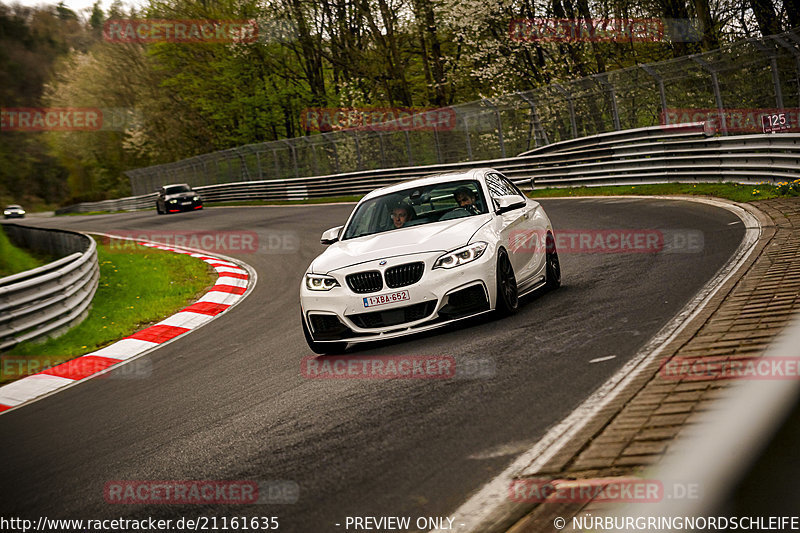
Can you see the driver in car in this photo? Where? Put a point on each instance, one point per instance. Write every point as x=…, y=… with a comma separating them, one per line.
x=401, y=214
x=466, y=199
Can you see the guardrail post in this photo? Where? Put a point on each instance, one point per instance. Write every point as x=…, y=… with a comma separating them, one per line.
x=294, y=156
x=796, y=54
x=603, y=80
x=216, y=170
x=571, y=106
x=408, y=148
x=499, y=126
x=773, y=63
x=535, y=124
x=195, y=174
x=383, y=152
x=258, y=164
x=335, y=152
x=359, y=163
x=314, y=160
x=656, y=76
x=717, y=95
x=244, y=171
x=277, y=165
x=436, y=142
x=466, y=135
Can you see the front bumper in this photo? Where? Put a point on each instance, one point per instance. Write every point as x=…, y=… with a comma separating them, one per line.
x=181, y=206
x=440, y=297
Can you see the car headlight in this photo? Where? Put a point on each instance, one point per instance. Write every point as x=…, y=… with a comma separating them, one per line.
x=173, y=201
x=6, y=212
x=21, y=212
x=320, y=282
x=196, y=198
x=461, y=256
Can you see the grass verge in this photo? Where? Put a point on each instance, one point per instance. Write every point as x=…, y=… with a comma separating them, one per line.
x=138, y=287
x=732, y=191
x=14, y=259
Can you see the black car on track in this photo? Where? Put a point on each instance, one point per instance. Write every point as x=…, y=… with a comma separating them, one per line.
x=176, y=198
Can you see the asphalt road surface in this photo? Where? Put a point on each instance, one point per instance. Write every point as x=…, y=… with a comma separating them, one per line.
x=228, y=402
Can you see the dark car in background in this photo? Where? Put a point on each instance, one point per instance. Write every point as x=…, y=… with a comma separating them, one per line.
x=13, y=211
x=176, y=198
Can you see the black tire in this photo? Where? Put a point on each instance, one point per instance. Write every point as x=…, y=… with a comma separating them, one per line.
x=552, y=265
x=507, y=292
x=158, y=209
x=322, y=348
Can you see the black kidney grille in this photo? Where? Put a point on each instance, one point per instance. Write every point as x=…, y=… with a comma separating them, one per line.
x=404, y=275
x=365, y=282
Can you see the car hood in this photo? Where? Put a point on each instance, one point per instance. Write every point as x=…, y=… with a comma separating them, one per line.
x=433, y=237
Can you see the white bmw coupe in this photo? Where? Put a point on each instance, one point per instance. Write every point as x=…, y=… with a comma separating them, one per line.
x=424, y=253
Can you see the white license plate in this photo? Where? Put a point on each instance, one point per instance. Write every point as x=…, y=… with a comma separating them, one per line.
x=392, y=297
x=187, y=202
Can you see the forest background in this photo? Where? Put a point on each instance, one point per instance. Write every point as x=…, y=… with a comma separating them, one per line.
x=188, y=99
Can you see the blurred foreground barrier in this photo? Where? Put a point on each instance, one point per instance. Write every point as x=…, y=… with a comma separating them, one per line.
x=729, y=443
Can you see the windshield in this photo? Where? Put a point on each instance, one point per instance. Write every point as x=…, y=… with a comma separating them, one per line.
x=416, y=206
x=175, y=189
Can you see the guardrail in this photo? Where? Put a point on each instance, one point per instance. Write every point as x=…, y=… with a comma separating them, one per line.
x=657, y=154
x=49, y=299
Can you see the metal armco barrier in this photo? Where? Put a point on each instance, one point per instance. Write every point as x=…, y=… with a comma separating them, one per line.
x=51, y=298
x=657, y=154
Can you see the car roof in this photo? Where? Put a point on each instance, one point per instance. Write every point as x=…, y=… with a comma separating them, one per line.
x=175, y=185
x=10, y=206
x=471, y=174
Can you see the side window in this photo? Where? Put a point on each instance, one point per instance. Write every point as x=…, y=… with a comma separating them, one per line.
x=511, y=187
x=500, y=186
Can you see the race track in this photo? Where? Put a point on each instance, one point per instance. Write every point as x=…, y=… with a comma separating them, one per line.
x=228, y=402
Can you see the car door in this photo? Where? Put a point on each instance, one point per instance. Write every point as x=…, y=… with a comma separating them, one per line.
x=521, y=230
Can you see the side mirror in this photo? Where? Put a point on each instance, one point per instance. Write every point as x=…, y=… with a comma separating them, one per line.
x=508, y=202
x=331, y=236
